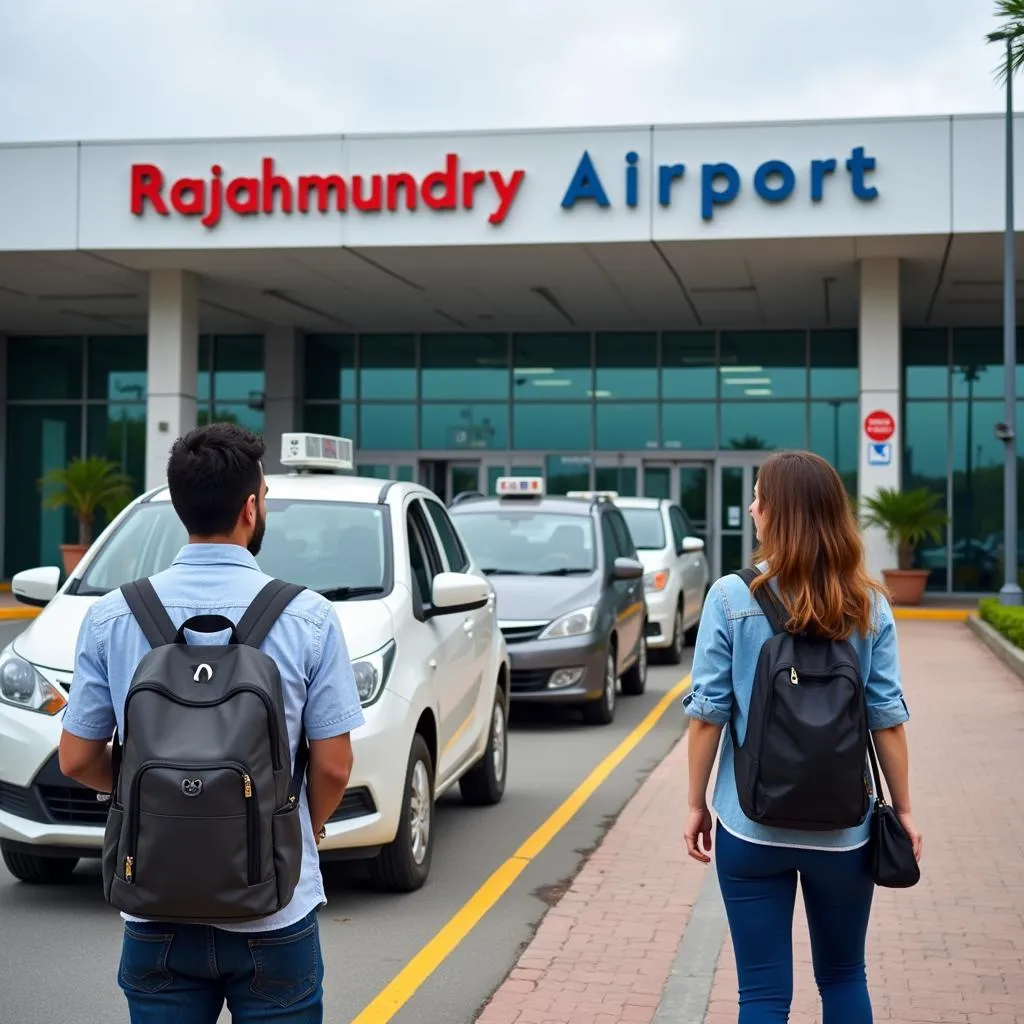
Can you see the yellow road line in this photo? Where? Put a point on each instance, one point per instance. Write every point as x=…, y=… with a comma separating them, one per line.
x=25, y=612
x=932, y=614
x=403, y=986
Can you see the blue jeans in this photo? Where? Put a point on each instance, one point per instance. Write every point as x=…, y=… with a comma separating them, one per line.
x=184, y=973
x=758, y=885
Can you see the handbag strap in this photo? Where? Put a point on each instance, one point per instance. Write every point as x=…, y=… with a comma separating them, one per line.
x=879, y=791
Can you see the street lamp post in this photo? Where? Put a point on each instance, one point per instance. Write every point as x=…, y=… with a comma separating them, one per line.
x=1010, y=593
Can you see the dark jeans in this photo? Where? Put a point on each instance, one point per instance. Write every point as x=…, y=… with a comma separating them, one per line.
x=184, y=973
x=758, y=885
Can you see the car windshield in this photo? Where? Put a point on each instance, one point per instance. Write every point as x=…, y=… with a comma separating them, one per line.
x=528, y=542
x=333, y=547
x=645, y=524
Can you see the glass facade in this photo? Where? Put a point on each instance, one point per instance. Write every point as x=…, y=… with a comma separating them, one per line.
x=576, y=393
x=952, y=391
x=74, y=396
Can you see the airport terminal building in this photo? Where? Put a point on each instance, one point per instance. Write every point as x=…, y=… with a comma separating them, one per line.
x=649, y=310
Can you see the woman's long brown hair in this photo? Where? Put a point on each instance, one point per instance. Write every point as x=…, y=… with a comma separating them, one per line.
x=814, y=551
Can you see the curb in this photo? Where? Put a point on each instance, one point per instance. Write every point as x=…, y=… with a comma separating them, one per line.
x=1010, y=655
x=26, y=612
x=932, y=614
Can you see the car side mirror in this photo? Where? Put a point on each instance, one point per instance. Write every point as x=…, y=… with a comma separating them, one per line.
x=627, y=569
x=691, y=544
x=36, y=587
x=458, y=592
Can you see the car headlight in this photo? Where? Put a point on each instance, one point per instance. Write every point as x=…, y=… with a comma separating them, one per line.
x=372, y=671
x=22, y=686
x=573, y=624
x=655, y=582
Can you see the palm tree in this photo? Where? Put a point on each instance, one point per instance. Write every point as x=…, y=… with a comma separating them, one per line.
x=84, y=486
x=1011, y=35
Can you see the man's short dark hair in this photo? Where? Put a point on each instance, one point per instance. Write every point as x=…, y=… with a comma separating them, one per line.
x=211, y=473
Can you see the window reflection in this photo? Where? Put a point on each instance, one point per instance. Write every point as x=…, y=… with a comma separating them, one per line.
x=925, y=363
x=384, y=427
x=835, y=428
x=551, y=367
x=762, y=426
x=763, y=364
x=621, y=479
x=335, y=420
x=627, y=366
x=237, y=366
x=48, y=368
x=552, y=427
x=689, y=365
x=465, y=366
x=565, y=473
x=834, y=364
x=688, y=425
x=627, y=427
x=387, y=366
x=461, y=426
x=926, y=433
x=117, y=368
x=330, y=366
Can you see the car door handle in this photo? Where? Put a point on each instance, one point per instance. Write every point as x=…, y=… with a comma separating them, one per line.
x=432, y=663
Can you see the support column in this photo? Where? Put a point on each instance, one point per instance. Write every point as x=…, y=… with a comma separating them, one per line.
x=282, y=364
x=880, y=346
x=173, y=346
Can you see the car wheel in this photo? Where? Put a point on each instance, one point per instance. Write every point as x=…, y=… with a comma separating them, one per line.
x=38, y=870
x=673, y=654
x=484, y=783
x=602, y=710
x=634, y=682
x=404, y=864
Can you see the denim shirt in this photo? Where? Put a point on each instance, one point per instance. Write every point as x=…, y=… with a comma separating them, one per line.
x=306, y=642
x=732, y=631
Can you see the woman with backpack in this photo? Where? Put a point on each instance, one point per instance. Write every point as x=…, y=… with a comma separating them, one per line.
x=796, y=661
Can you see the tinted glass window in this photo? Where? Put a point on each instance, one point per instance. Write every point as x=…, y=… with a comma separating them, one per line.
x=330, y=366
x=387, y=366
x=627, y=549
x=646, y=527
x=322, y=545
x=627, y=366
x=44, y=368
x=422, y=554
x=763, y=364
x=117, y=368
x=688, y=365
x=551, y=367
x=528, y=541
x=680, y=527
x=458, y=366
x=457, y=560
x=609, y=541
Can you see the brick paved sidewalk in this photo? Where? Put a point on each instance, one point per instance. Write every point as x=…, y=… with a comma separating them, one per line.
x=950, y=950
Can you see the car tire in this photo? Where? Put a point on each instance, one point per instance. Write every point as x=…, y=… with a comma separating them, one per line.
x=634, y=682
x=484, y=783
x=673, y=654
x=404, y=864
x=27, y=867
x=602, y=710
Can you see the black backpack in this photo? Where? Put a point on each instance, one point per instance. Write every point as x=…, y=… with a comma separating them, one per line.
x=204, y=821
x=802, y=763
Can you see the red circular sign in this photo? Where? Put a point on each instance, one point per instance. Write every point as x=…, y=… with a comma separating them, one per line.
x=879, y=425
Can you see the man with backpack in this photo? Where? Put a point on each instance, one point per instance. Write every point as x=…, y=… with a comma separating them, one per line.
x=233, y=699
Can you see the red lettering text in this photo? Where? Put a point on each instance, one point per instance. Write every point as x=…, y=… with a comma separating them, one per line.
x=406, y=181
x=323, y=186
x=147, y=183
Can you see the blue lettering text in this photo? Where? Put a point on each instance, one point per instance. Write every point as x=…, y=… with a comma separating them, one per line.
x=710, y=197
x=631, y=179
x=819, y=168
x=667, y=173
x=774, y=193
x=857, y=165
x=585, y=184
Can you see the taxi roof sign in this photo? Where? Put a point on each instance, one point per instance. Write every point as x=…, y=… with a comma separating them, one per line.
x=519, y=487
x=316, y=451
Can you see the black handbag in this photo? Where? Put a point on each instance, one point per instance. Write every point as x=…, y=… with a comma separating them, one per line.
x=893, y=864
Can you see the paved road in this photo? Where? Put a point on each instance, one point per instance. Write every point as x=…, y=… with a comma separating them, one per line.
x=60, y=946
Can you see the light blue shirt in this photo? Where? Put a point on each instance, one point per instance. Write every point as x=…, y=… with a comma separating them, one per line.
x=732, y=631
x=306, y=642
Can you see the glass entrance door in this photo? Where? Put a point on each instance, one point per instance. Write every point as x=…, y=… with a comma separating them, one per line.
x=734, y=491
x=623, y=477
x=690, y=485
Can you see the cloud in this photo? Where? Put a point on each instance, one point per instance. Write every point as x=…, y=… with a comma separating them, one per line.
x=167, y=68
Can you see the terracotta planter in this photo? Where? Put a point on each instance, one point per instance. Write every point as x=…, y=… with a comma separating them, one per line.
x=906, y=586
x=72, y=554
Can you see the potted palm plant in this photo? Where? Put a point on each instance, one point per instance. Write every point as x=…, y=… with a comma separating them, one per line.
x=86, y=486
x=908, y=518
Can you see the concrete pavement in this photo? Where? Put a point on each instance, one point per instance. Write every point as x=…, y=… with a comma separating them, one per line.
x=643, y=926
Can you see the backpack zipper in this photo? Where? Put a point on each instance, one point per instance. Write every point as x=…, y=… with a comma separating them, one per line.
x=251, y=813
x=185, y=702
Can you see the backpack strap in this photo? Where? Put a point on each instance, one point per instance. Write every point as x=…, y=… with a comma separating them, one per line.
x=769, y=603
x=149, y=612
x=266, y=608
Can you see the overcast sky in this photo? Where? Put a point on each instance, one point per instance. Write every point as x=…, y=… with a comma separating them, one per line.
x=87, y=69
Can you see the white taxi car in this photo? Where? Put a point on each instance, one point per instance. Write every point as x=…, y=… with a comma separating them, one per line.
x=420, y=625
x=676, y=572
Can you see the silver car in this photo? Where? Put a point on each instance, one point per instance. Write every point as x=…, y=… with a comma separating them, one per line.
x=676, y=572
x=569, y=588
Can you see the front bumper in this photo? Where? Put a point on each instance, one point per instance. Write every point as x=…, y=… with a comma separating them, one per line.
x=534, y=661
x=45, y=809
x=661, y=613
